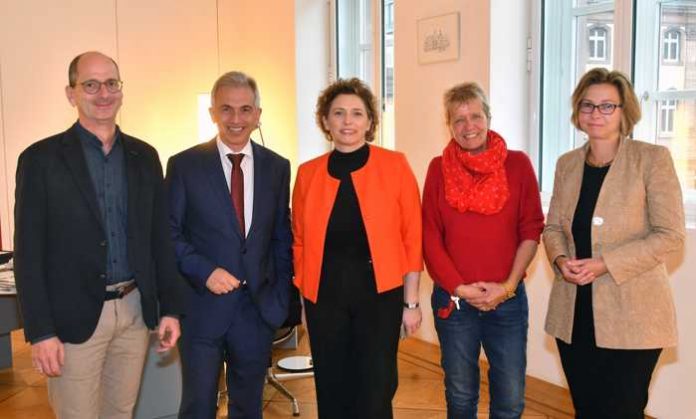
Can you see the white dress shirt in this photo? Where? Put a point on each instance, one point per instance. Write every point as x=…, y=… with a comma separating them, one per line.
x=247, y=169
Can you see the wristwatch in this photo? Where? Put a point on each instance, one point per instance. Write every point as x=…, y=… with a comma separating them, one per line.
x=411, y=305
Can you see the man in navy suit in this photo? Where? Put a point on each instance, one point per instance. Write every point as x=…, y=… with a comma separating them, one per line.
x=229, y=215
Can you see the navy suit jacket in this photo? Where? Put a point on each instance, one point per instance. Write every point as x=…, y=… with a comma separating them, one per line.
x=206, y=235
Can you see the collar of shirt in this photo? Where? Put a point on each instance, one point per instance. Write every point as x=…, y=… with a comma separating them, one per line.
x=91, y=140
x=224, y=150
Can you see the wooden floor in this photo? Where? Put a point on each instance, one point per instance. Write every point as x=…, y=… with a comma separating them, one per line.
x=420, y=394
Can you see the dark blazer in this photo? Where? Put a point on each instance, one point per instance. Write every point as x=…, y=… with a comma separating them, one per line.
x=206, y=235
x=60, y=242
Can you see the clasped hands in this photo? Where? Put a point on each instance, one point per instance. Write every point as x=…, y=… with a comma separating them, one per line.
x=484, y=296
x=581, y=271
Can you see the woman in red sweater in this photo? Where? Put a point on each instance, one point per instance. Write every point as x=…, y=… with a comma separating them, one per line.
x=482, y=220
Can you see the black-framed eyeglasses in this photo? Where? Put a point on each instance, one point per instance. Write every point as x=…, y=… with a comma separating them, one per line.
x=94, y=86
x=603, y=108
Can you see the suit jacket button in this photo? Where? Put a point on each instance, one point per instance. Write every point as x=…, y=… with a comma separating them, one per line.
x=244, y=250
x=102, y=243
x=102, y=276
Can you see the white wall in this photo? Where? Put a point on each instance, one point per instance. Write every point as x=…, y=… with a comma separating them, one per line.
x=169, y=51
x=312, y=63
x=508, y=95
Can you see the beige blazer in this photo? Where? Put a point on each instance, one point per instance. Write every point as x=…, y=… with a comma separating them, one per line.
x=638, y=219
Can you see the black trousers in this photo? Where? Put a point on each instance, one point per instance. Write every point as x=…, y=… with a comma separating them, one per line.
x=354, y=336
x=604, y=383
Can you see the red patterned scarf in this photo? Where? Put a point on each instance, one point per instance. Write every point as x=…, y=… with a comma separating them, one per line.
x=478, y=182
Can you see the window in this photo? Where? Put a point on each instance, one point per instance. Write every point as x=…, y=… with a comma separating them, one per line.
x=354, y=39
x=667, y=85
x=591, y=2
x=670, y=46
x=666, y=119
x=598, y=43
x=648, y=40
x=667, y=110
x=368, y=54
x=389, y=16
x=388, y=123
x=577, y=36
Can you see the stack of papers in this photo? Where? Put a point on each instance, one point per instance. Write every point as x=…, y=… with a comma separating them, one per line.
x=7, y=281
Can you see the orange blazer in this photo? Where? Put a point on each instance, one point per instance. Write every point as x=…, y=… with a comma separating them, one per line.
x=390, y=206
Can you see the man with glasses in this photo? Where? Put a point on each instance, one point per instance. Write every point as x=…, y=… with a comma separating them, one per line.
x=94, y=261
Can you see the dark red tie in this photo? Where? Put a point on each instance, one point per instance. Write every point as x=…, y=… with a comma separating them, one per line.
x=237, y=189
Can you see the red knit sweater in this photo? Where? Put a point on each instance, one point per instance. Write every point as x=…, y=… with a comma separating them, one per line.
x=463, y=248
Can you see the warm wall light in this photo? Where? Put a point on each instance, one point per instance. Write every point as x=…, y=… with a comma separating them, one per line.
x=206, y=127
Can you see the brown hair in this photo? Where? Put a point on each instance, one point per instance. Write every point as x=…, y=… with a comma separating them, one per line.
x=465, y=92
x=353, y=86
x=629, y=102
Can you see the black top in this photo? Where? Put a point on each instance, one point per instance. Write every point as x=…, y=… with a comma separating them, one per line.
x=347, y=274
x=592, y=179
x=346, y=237
x=108, y=175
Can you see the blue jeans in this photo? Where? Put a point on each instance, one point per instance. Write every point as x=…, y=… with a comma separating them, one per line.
x=503, y=335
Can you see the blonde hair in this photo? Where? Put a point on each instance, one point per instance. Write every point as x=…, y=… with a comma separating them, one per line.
x=465, y=92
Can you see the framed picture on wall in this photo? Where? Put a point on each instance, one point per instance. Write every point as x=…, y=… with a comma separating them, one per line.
x=438, y=38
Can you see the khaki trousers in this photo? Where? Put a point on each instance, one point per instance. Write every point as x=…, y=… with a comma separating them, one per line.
x=101, y=377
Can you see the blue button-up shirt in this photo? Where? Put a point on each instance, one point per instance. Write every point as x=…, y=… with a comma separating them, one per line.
x=108, y=173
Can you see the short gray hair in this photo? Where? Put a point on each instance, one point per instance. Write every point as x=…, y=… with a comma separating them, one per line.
x=236, y=79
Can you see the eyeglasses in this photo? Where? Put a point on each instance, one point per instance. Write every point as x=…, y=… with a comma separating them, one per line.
x=94, y=86
x=604, y=108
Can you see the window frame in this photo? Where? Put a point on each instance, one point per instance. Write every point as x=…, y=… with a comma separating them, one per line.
x=649, y=35
x=676, y=60
x=635, y=23
x=556, y=42
x=605, y=40
x=666, y=111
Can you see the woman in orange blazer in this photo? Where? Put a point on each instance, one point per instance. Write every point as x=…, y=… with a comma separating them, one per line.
x=357, y=248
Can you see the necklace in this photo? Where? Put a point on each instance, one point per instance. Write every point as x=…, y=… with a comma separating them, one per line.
x=590, y=162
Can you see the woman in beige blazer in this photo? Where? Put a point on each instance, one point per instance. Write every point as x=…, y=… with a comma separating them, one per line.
x=615, y=213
